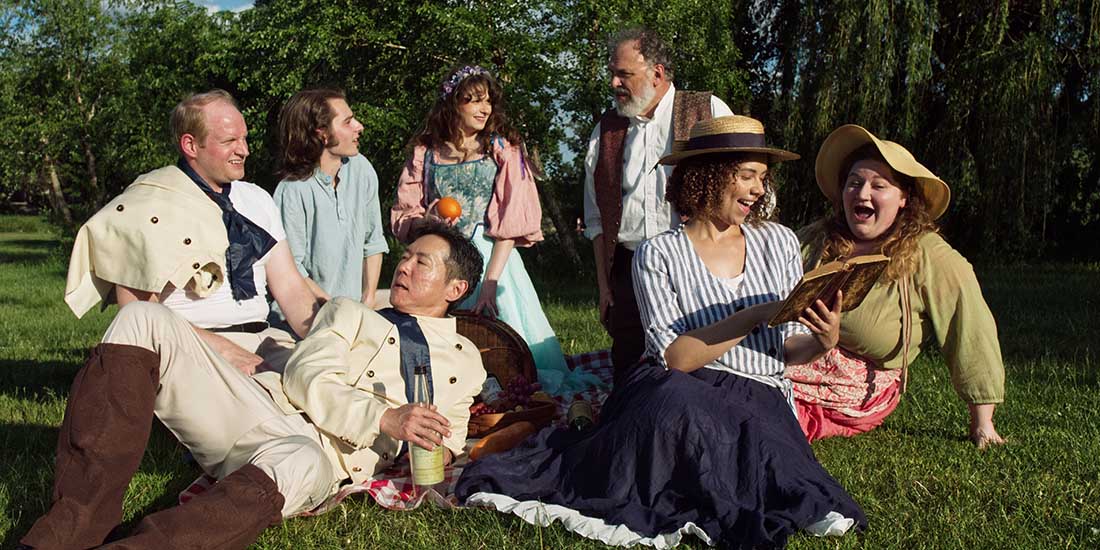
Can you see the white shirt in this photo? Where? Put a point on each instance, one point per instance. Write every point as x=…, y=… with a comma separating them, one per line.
x=646, y=213
x=220, y=309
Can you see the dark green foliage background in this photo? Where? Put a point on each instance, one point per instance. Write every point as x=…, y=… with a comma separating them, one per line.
x=998, y=97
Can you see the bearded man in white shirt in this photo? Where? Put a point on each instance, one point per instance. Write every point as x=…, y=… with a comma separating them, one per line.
x=624, y=187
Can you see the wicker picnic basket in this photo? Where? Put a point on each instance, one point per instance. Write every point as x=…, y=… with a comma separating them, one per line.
x=505, y=356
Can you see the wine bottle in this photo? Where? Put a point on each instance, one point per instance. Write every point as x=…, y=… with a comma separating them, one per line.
x=580, y=416
x=427, y=466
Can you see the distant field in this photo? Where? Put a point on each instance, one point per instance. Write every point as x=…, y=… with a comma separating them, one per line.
x=921, y=483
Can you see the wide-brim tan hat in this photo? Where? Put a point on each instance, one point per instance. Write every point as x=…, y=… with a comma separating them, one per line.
x=725, y=134
x=846, y=139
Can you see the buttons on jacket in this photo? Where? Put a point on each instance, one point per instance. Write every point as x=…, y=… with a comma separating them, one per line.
x=385, y=456
x=356, y=469
x=154, y=219
x=391, y=340
x=187, y=240
x=458, y=347
x=453, y=380
x=120, y=208
x=195, y=265
x=370, y=374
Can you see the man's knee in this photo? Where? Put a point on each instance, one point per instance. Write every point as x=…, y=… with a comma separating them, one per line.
x=301, y=470
x=139, y=323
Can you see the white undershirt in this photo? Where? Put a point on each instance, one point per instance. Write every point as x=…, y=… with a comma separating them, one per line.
x=220, y=309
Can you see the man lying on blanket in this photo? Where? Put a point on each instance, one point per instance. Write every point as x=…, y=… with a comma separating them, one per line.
x=279, y=444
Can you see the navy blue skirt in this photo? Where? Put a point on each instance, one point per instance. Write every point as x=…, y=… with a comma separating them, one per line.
x=673, y=453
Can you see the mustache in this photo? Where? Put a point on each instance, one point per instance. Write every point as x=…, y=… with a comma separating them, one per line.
x=621, y=90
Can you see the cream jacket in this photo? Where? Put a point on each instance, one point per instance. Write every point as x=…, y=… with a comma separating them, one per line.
x=162, y=229
x=347, y=372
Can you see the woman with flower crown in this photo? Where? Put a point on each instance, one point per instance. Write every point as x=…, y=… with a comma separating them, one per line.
x=467, y=150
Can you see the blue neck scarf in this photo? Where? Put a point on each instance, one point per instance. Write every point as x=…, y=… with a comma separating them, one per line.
x=414, y=350
x=248, y=242
x=414, y=353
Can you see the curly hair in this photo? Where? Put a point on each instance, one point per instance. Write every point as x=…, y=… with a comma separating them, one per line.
x=650, y=45
x=830, y=238
x=464, y=260
x=442, y=123
x=696, y=186
x=303, y=114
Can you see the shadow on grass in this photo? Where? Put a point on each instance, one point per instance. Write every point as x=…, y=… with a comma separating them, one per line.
x=32, y=449
x=26, y=379
x=26, y=250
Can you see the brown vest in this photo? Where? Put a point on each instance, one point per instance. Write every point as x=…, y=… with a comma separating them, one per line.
x=687, y=109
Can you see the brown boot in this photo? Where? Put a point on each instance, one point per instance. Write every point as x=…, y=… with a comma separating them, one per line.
x=103, y=436
x=229, y=515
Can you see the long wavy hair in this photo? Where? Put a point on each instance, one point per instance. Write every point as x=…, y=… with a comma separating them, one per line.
x=303, y=114
x=830, y=237
x=697, y=184
x=442, y=123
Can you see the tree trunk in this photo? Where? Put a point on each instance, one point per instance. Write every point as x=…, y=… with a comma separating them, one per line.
x=53, y=188
x=87, y=112
x=90, y=166
x=565, y=231
x=553, y=208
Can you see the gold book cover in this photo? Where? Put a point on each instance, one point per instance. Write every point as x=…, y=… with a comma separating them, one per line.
x=854, y=277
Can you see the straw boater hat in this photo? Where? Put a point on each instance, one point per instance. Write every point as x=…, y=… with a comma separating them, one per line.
x=846, y=139
x=726, y=134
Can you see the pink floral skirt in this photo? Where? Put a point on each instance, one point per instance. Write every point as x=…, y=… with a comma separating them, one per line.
x=842, y=394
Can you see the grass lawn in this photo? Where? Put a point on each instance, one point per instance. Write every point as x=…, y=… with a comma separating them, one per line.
x=920, y=482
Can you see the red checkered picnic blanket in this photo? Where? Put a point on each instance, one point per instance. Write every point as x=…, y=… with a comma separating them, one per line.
x=393, y=488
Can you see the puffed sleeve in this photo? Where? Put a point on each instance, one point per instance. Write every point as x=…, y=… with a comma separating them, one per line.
x=961, y=321
x=409, y=204
x=658, y=300
x=514, y=211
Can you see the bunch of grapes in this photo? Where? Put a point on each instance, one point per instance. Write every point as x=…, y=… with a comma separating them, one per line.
x=519, y=391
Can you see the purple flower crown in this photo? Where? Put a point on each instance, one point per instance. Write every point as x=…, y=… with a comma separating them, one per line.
x=462, y=74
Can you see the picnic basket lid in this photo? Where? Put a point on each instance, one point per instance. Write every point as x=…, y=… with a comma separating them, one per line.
x=503, y=352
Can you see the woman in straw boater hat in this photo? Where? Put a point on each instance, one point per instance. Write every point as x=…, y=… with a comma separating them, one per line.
x=886, y=202
x=702, y=439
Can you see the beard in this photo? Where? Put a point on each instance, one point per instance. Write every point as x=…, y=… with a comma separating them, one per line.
x=636, y=104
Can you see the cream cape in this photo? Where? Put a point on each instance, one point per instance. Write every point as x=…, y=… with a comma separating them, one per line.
x=162, y=229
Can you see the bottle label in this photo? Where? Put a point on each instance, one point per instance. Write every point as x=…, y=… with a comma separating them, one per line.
x=580, y=416
x=427, y=466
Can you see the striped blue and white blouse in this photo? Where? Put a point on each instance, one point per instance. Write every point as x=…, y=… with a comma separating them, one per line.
x=677, y=293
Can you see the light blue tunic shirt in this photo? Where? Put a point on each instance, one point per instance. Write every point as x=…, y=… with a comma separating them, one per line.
x=332, y=229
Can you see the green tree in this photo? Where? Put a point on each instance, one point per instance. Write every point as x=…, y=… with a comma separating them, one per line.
x=998, y=98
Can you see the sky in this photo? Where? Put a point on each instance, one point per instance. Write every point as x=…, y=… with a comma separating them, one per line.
x=230, y=5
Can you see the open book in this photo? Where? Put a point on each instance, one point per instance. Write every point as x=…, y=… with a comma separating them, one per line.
x=855, y=277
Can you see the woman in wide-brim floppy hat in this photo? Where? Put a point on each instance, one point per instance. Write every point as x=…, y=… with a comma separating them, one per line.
x=701, y=438
x=885, y=201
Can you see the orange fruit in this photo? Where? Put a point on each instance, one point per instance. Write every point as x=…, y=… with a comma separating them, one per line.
x=448, y=208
